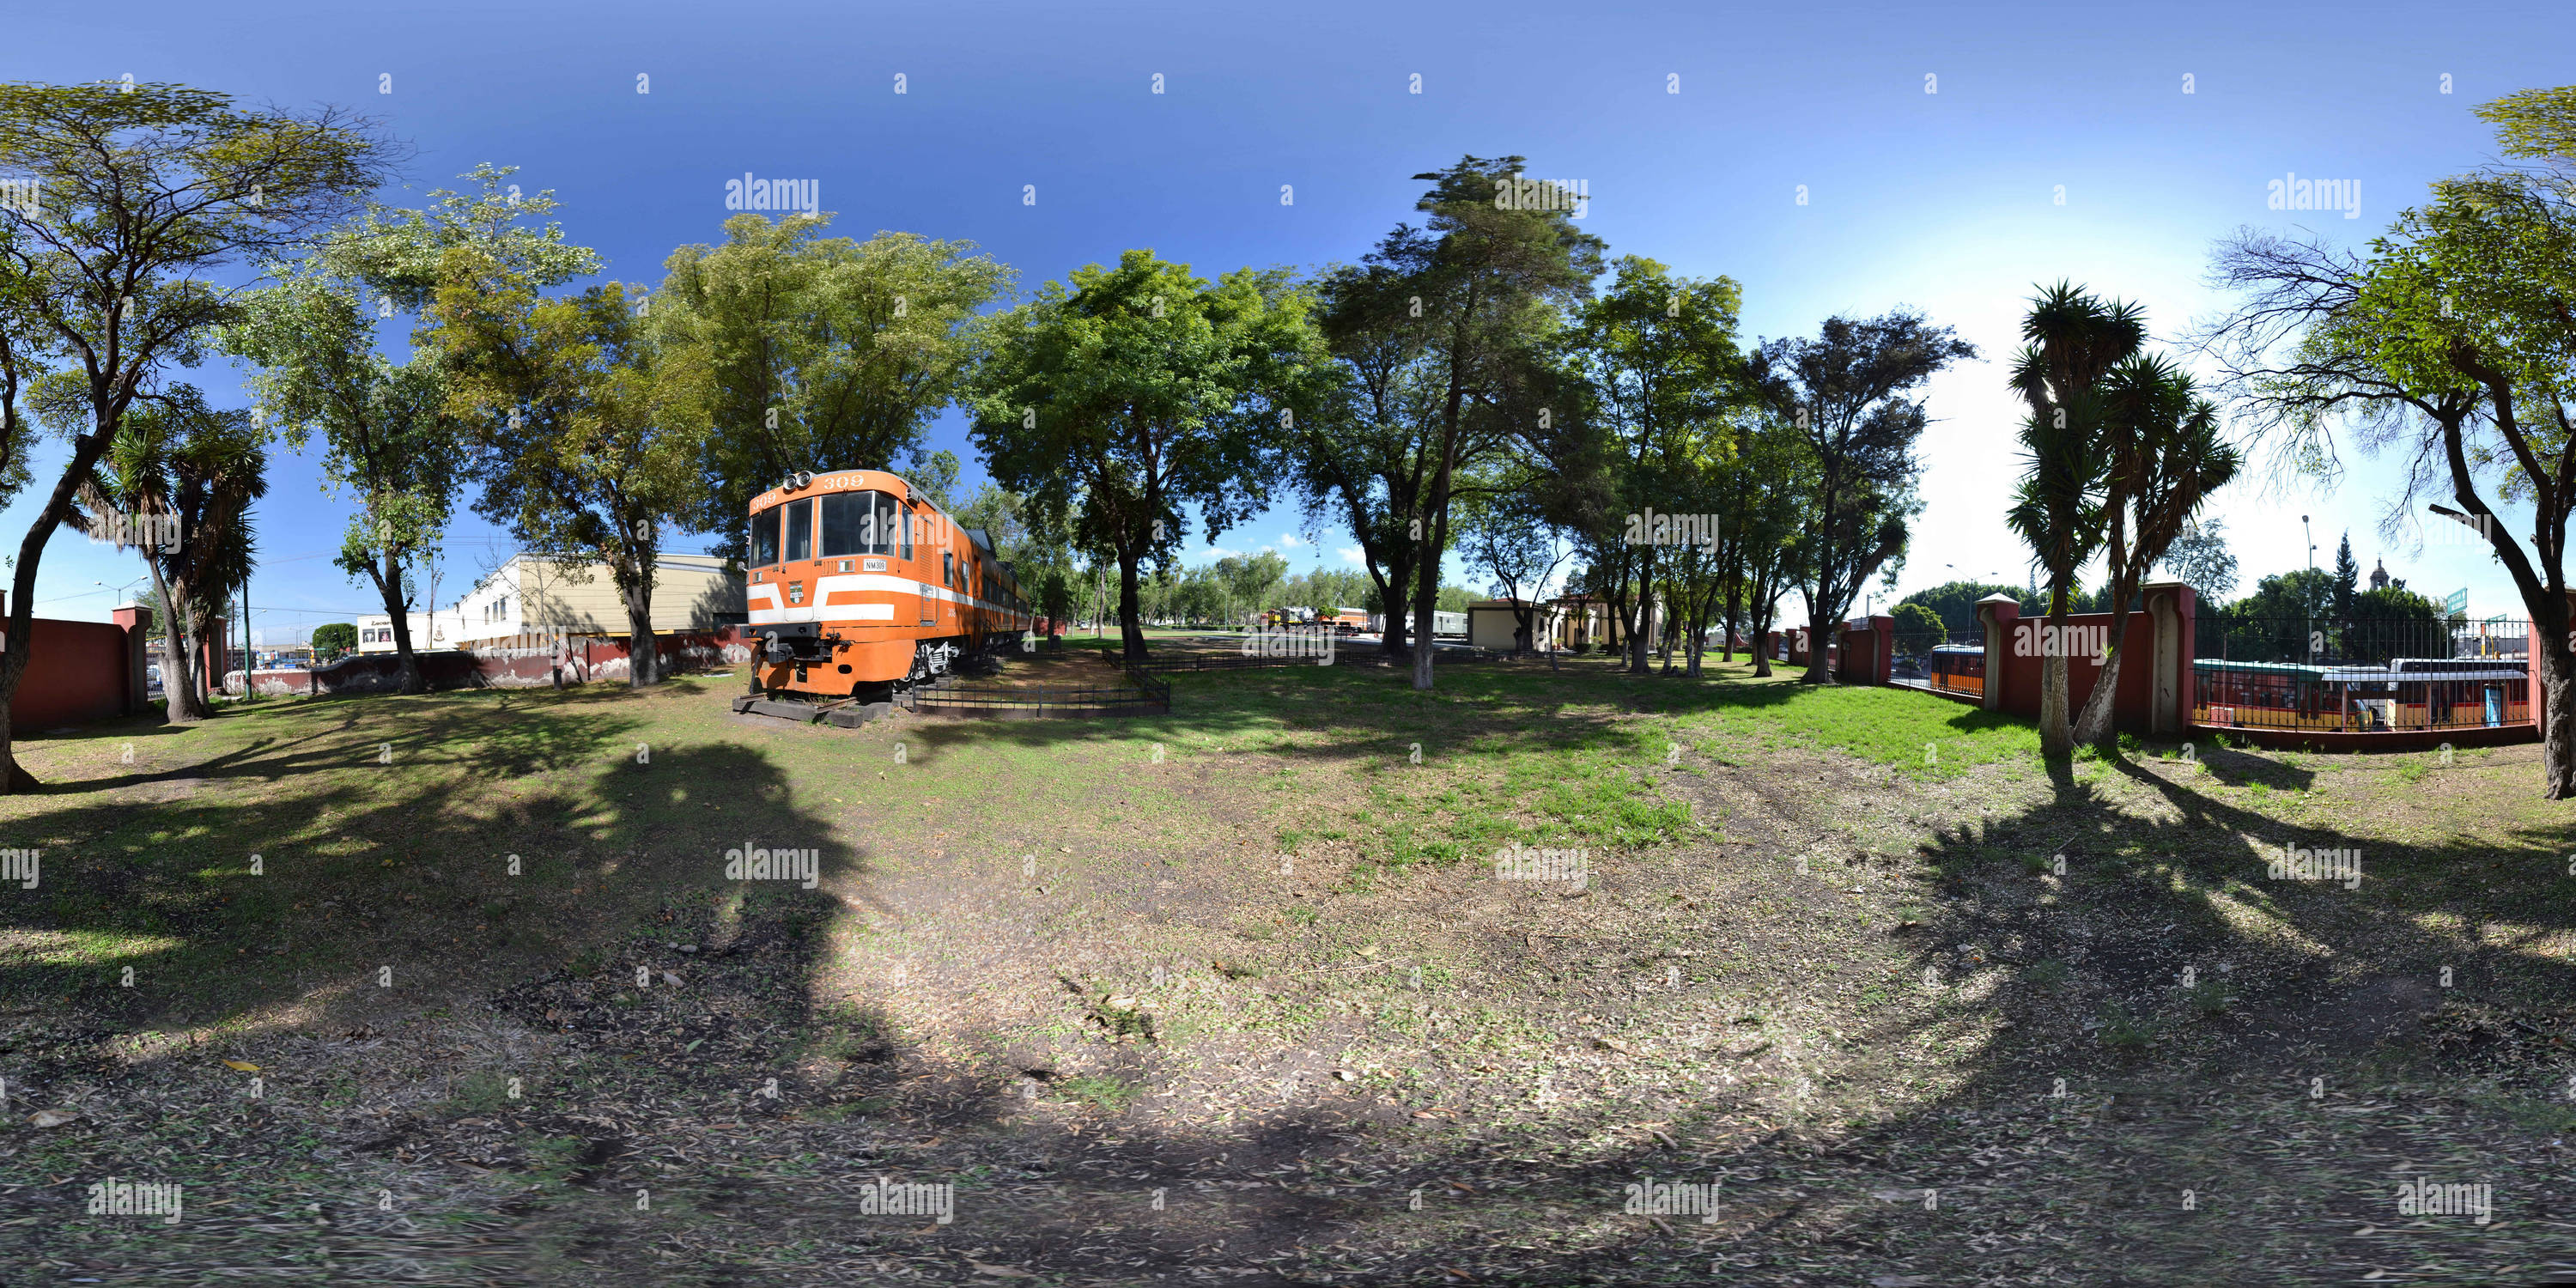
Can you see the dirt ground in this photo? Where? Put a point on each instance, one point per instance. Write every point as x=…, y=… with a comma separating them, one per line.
x=2010, y=1026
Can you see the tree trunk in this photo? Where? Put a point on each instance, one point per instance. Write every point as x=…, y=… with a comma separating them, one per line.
x=389, y=588
x=1426, y=587
x=1760, y=611
x=1641, y=632
x=2055, y=738
x=1395, y=599
x=1734, y=615
x=2093, y=725
x=1131, y=624
x=179, y=638
x=643, y=652
x=1819, y=648
x=2557, y=713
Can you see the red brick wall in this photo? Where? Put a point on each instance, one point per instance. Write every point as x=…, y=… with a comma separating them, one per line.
x=77, y=673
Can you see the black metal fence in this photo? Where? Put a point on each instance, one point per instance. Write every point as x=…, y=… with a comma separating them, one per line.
x=1942, y=661
x=2360, y=675
x=1227, y=662
x=1142, y=694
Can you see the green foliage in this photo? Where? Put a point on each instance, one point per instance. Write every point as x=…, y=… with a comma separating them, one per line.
x=587, y=420
x=1919, y=623
x=823, y=353
x=1849, y=392
x=335, y=638
x=386, y=430
x=184, y=474
x=151, y=195
x=1954, y=604
x=1124, y=395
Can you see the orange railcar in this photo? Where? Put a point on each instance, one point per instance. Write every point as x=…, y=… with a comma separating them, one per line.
x=859, y=587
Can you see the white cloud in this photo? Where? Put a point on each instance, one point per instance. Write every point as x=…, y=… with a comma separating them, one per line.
x=1289, y=540
x=1220, y=552
x=1349, y=554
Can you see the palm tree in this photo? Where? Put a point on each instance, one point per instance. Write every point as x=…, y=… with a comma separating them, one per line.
x=2071, y=341
x=186, y=474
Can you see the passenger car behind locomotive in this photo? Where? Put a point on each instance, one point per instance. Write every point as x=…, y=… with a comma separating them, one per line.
x=859, y=587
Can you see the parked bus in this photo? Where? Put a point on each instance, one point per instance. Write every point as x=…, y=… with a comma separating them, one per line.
x=2408, y=693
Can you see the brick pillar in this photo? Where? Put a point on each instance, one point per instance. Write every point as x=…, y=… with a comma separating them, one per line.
x=137, y=621
x=1998, y=612
x=2170, y=697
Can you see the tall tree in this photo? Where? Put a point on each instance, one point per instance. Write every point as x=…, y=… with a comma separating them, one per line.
x=2347, y=580
x=826, y=353
x=1768, y=491
x=387, y=437
x=139, y=194
x=587, y=425
x=1133, y=392
x=1657, y=356
x=1494, y=282
x=1363, y=456
x=177, y=483
x=2451, y=341
x=1846, y=390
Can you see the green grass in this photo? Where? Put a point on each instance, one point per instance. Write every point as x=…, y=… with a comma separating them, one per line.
x=1102, y=1092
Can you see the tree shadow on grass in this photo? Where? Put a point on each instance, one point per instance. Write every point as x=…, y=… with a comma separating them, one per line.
x=305, y=868
x=1035, y=1195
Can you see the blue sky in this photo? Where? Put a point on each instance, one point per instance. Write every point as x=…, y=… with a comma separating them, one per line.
x=1946, y=201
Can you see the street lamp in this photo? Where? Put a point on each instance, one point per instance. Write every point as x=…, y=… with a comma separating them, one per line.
x=2311, y=622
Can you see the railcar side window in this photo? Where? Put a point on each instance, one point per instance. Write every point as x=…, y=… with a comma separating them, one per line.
x=764, y=537
x=800, y=531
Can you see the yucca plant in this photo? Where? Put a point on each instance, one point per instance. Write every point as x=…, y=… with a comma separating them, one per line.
x=2165, y=455
x=182, y=476
x=2071, y=341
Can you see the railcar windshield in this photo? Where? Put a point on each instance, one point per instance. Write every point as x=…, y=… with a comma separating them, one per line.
x=860, y=523
x=764, y=537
